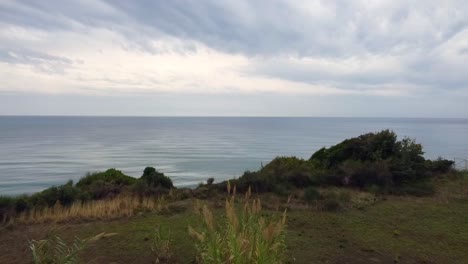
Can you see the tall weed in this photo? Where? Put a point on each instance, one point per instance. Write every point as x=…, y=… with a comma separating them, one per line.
x=55, y=250
x=243, y=235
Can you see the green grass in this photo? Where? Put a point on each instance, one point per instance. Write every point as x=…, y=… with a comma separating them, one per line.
x=411, y=230
x=133, y=242
x=403, y=229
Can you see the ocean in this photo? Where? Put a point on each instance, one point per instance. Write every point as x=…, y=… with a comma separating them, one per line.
x=38, y=152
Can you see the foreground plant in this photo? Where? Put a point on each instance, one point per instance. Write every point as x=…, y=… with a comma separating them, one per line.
x=243, y=236
x=161, y=246
x=55, y=250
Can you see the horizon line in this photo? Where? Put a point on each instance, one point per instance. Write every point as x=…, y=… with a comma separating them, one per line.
x=231, y=116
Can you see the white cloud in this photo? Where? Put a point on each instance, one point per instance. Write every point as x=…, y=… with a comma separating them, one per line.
x=313, y=48
x=105, y=61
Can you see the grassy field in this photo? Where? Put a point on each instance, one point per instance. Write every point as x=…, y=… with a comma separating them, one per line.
x=391, y=230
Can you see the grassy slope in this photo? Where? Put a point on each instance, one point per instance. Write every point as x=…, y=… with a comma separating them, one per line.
x=407, y=229
x=413, y=231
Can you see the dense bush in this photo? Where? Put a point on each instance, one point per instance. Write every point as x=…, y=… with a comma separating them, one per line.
x=367, y=147
x=111, y=176
x=379, y=159
x=100, y=185
x=210, y=181
x=376, y=160
x=65, y=194
x=365, y=173
x=6, y=207
x=154, y=178
x=93, y=186
x=6, y=201
x=22, y=203
x=440, y=165
x=281, y=174
x=258, y=181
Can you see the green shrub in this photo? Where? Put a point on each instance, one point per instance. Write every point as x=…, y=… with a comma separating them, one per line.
x=22, y=203
x=364, y=173
x=258, y=181
x=298, y=172
x=6, y=202
x=47, y=197
x=7, y=207
x=367, y=147
x=440, y=165
x=281, y=166
x=378, y=159
x=210, y=181
x=111, y=176
x=154, y=178
x=104, y=184
x=373, y=159
x=281, y=174
x=66, y=194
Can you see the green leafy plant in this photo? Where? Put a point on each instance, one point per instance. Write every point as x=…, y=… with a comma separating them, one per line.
x=55, y=250
x=154, y=178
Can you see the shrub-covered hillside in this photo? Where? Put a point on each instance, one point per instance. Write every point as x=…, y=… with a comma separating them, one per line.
x=378, y=161
x=94, y=186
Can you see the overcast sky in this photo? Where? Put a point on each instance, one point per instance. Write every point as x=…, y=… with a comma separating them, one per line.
x=385, y=58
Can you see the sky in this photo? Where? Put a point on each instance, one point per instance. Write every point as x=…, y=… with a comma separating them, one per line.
x=346, y=58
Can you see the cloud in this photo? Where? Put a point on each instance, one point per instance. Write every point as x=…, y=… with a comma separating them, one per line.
x=388, y=48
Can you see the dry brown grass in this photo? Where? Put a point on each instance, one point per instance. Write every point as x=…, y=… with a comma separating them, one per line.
x=122, y=206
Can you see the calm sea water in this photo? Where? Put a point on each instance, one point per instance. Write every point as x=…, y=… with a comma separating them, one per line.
x=37, y=152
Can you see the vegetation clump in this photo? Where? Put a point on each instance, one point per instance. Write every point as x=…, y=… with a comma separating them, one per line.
x=110, y=176
x=374, y=160
x=154, y=178
x=55, y=250
x=161, y=246
x=244, y=236
x=94, y=186
x=379, y=159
